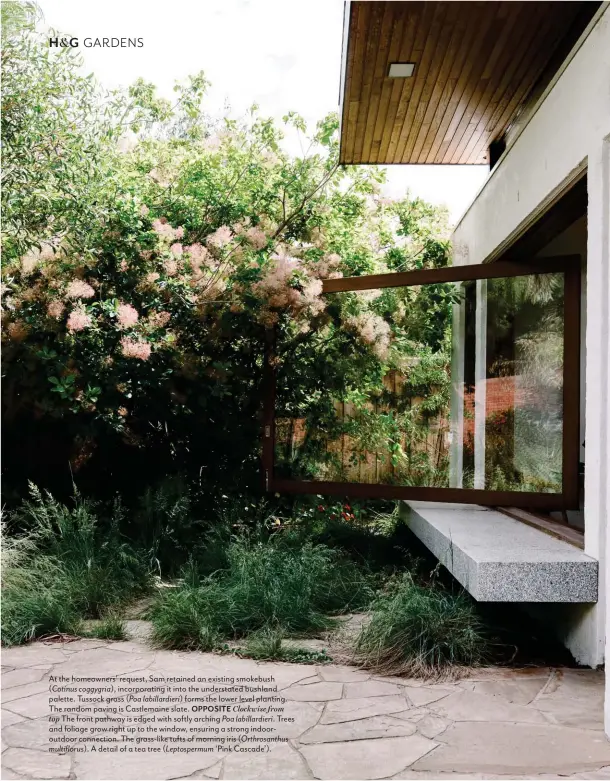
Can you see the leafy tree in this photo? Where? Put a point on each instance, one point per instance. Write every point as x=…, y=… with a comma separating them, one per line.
x=149, y=247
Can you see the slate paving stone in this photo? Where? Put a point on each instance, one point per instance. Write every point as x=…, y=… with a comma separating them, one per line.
x=19, y=657
x=347, y=722
x=22, y=677
x=573, y=713
x=28, y=734
x=33, y=707
x=505, y=673
x=374, y=727
x=521, y=690
x=365, y=759
x=9, y=774
x=372, y=688
x=518, y=748
x=85, y=644
x=282, y=762
x=361, y=708
x=29, y=763
x=308, y=681
x=430, y=726
x=423, y=695
x=470, y=706
x=314, y=692
x=141, y=767
x=412, y=714
x=574, y=699
x=27, y=690
x=103, y=661
x=305, y=715
x=8, y=717
x=335, y=672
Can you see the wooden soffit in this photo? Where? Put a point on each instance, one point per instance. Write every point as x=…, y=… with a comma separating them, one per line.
x=476, y=65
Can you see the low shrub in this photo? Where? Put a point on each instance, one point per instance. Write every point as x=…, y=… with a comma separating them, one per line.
x=419, y=630
x=265, y=584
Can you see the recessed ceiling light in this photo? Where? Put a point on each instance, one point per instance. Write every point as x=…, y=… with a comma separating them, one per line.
x=401, y=70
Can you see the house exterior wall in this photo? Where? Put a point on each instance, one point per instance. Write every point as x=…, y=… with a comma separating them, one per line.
x=568, y=132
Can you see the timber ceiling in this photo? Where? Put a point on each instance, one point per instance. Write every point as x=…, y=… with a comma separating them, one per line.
x=476, y=63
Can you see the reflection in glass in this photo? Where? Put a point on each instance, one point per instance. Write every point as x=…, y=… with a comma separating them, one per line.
x=440, y=385
x=513, y=389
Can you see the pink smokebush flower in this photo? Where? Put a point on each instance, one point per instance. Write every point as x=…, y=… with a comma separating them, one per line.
x=170, y=267
x=159, y=319
x=56, y=309
x=176, y=249
x=220, y=237
x=274, y=288
x=165, y=231
x=78, y=320
x=374, y=331
x=135, y=348
x=127, y=315
x=256, y=237
x=47, y=252
x=79, y=289
x=17, y=331
x=199, y=256
x=29, y=262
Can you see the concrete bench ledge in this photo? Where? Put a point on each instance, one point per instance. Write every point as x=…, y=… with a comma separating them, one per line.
x=499, y=559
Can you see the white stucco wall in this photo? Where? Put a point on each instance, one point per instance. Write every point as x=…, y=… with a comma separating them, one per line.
x=568, y=132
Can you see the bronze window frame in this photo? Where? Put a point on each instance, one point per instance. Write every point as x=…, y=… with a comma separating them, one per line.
x=568, y=499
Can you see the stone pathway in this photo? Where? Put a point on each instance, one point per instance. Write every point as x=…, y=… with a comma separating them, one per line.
x=348, y=724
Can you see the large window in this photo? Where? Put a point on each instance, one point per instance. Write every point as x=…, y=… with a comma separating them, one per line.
x=471, y=393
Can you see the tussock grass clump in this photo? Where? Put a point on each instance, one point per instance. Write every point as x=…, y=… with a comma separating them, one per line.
x=63, y=568
x=268, y=645
x=265, y=584
x=111, y=627
x=422, y=631
x=34, y=602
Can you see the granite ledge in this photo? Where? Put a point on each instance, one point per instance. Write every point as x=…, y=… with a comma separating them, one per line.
x=499, y=559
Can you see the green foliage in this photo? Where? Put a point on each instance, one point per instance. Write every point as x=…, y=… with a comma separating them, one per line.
x=148, y=247
x=422, y=630
x=376, y=540
x=34, y=601
x=110, y=627
x=18, y=16
x=165, y=523
x=264, y=585
x=100, y=567
x=65, y=568
x=267, y=645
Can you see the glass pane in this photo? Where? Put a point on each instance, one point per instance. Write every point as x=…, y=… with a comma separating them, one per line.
x=441, y=385
x=513, y=390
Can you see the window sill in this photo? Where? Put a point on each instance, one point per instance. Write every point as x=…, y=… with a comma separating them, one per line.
x=497, y=558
